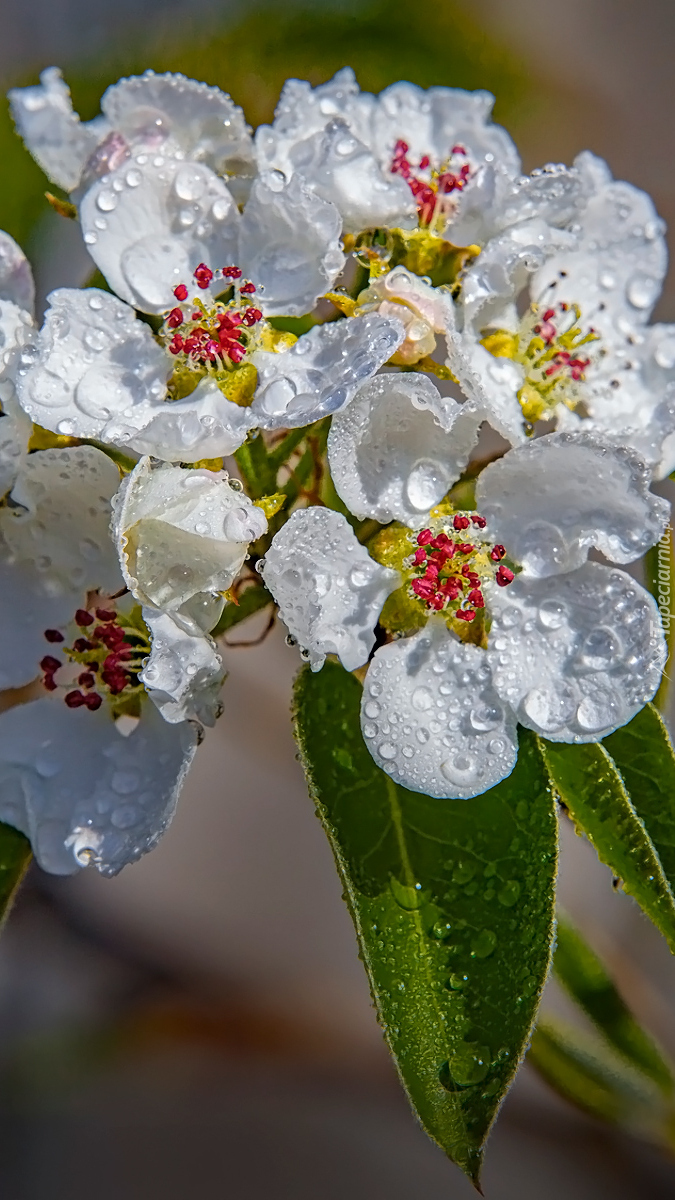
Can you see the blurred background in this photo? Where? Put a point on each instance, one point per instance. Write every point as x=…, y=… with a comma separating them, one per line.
x=201, y=1025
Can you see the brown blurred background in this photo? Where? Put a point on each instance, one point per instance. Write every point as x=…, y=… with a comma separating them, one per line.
x=201, y=1025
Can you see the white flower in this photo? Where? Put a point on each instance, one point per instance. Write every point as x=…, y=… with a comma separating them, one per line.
x=583, y=355
x=574, y=650
x=182, y=536
x=89, y=769
x=161, y=114
x=410, y=156
x=152, y=201
x=17, y=296
x=96, y=371
x=398, y=447
x=329, y=589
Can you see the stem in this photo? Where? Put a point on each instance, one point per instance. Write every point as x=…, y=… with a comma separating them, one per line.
x=254, y=463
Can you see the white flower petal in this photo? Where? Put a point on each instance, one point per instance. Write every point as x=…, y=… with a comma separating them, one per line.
x=504, y=266
x=432, y=719
x=15, y=430
x=60, y=520
x=551, y=500
x=181, y=532
x=203, y=425
x=615, y=270
x=576, y=655
x=342, y=169
x=552, y=194
x=492, y=384
x=184, y=673
x=53, y=133
x=16, y=277
x=91, y=360
x=321, y=372
x=82, y=792
x=201, y=121
x=289, y=244
x=398, y=447
x=150, y=223
x=435, y=120
x=303, y=111
x=329, y=590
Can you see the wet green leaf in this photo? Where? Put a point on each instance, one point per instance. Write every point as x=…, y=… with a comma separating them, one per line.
x=643, y=753
x=584, y=1070
x=584, y=976
x=453, y=906
x=592, y=789
x=15, y=855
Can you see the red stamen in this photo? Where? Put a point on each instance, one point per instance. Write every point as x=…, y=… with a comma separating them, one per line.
x=504, y=576
x=465, y=614
x=75, y=699
x=93, y=701
x=53, y=635
x=175, y=318
x=203, y=275
x=82, y=617
x=180, y=292
x=231, y=273
x=461, y=522
x=247, y=289
x=50, y=664
x=497, y=553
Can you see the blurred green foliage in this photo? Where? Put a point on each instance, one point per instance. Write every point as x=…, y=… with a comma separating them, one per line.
x=251, y=56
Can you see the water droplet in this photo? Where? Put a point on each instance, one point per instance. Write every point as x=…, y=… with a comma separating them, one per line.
x=125, y=782
x=665, y=353
x=422, y=698
x=642, y=290
x=179, y=575
x=96, y=339
x=470, y=1064
x=462, y=768
x=509, y=893
x=124, y=816
x=371, y=709
x=426, y=484
x=598, y=710
x=408, y=898
x=387, y=751
x=483, y=944
x=486, y=715
x=359, y=577
x=190, y=183
x=551, y=614
x=464, y=872
x=106, y=200
x=548, y=708
x=134, y=178
x=601, y=648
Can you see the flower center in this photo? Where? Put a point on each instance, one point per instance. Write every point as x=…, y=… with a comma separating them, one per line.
x=214, y=338
x=432, y=186
x=549, y=348
x=110, y=648
x=449, y=573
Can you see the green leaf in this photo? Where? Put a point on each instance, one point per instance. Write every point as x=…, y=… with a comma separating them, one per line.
x=643, y=753
x=15, y=855
x=592, y=789
x=584, y=1070
x=583, y=975
x=453, y=906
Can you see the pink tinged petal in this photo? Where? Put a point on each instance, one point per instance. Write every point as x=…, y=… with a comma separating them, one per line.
x=16, y=276
x=553, y=499
x=329, y=590
x=83, y=793
x=576, y=655
x=398, y=447
x=91, y=361
x=321, y=372
x=432, y=719
x=171, y=110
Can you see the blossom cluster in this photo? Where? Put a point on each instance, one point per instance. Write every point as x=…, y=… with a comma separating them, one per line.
x=464, y=350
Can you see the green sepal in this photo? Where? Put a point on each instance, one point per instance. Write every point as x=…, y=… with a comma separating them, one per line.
x=452, y=901
x=585, y=978
x=593, y=791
